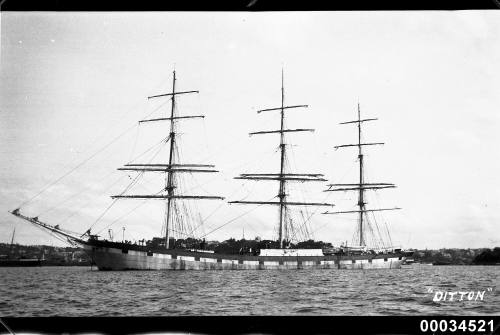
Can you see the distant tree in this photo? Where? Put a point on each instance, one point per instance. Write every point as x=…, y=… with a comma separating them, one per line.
x=311, y=244
x=488, y=257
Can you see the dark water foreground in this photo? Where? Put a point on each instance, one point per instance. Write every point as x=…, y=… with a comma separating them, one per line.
x=78, y=291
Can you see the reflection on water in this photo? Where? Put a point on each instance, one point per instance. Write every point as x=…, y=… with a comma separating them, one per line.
x=79, y=291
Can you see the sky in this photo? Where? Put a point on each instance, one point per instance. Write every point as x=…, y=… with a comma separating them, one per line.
x=74, y=85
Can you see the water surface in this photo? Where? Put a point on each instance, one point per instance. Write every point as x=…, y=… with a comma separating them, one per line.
x=80, y=291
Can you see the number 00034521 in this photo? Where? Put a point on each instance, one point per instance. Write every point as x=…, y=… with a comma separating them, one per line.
x=477, y=326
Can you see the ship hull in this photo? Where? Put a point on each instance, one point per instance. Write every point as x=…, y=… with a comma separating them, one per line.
x=116, y=258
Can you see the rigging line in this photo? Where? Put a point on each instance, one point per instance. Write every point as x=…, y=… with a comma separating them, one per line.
x=234, y=192
x=386, y=226
x=232, y=144
x=319, y=228
x=382, y=238
x=75, y=195
x=296, y=229
x=133, y=210
x=179, y=217
x=197, y=185
x=305, y=230
x=76, y=167
x=52, y=234
x=218, y=176
x=188, y=223
x=252, y=161
x=315, y=211
x=134, y=181
x=203, y=220
x=200, y=219
x=103, y=213
x=248, y=225
x=295, y=232
x=289, y=161
x=83, y=162
x=135, y=143
x=376, y=238
x=348, y=170
x=388, y=233
x=166, y=139
x=329, y=223
x=205, y=135
x=234, y=219
x=184, y=217
x=105, y=177
x=180, y=232
x=73, y=169
x=355, y=236
x=164, y=230
x=377, y=243
x=90, y=200
x=64, y=240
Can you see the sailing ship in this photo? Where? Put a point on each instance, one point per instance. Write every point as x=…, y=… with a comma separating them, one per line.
x=18, y=261
x=165, y=254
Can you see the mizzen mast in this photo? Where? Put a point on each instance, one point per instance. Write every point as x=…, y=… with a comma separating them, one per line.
x=172, y=167
x=282, y=176
x=361, y=186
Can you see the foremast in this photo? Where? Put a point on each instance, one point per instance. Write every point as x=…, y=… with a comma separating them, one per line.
x=172, y=167
x=361, y=186
x=283, y=177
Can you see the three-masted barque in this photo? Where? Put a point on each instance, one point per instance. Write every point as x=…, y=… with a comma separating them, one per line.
x=164, y=254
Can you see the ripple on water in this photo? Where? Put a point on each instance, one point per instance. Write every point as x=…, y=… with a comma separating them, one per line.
x=75, y=291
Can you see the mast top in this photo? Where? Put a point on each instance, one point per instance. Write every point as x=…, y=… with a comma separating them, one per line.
x=173, y=93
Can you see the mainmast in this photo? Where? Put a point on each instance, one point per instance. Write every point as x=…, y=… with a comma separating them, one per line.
x=169, y=182
x=172, y=167
x=361, y=202
x=281, y=193
x=282, y=177
x=361, y=186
